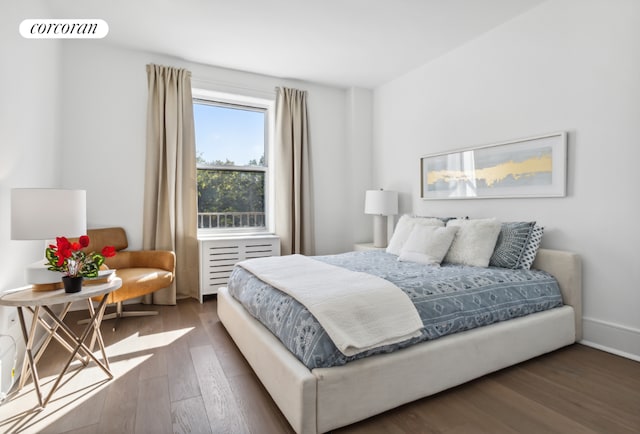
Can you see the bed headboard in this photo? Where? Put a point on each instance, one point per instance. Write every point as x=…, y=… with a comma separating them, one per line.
x=566, y=267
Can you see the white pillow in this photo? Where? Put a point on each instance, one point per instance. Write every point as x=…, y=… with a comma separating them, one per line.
x=403, y=230
x=427, y=244
x=474, y=242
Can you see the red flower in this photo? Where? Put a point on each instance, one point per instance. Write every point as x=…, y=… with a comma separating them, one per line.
x=84, y=241
x=69, y=258
x=108, y=251
x=65, y=253
x=63, y=243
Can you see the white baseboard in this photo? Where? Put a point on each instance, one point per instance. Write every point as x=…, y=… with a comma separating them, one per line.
x=611, y=337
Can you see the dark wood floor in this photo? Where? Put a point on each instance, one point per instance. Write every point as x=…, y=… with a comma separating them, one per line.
x=180, y=372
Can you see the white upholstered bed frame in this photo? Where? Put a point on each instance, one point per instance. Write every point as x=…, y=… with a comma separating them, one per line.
x=322, y=399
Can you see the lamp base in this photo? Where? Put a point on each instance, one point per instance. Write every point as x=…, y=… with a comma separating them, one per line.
x=38, y=287
x=379, y=231
x=41, y=278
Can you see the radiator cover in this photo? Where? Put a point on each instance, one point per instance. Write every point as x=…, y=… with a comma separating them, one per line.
x=219, y=255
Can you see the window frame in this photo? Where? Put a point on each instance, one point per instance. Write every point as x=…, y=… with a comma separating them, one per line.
x=266, y=106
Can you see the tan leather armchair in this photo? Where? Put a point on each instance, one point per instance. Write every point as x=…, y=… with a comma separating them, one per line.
x=142, y=271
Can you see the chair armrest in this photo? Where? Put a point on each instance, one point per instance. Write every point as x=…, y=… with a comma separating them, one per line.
x=163, y=259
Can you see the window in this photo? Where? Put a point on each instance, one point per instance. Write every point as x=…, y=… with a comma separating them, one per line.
x=232, y=165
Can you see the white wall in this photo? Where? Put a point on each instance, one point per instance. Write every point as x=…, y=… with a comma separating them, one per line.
x=29, y=122
x=104, y=122
x=358, y=165
x=29, y=147
x=567, y=65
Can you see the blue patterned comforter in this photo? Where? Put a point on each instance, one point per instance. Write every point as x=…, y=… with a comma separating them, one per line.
x=449, y=299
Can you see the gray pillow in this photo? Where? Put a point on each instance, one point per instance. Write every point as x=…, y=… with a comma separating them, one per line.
x=511, y=244
x=529, y=254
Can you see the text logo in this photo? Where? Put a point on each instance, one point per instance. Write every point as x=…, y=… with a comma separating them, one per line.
x=64, y=29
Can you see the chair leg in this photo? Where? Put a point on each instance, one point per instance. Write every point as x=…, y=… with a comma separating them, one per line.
x=121, y=313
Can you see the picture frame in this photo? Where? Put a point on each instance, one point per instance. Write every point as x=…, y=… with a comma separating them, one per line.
x=528, y=167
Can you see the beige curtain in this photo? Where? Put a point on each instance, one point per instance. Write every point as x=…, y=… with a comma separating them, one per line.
x=293, y=221
x=170, y=200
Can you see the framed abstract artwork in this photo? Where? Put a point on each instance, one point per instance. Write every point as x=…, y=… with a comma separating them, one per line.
x=530, y=167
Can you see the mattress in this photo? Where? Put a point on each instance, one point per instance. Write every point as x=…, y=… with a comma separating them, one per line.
x=449, y=299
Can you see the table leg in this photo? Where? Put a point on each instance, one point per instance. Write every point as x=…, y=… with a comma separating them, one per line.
x=29, y=359
x=91, y=326
x=51, y=333
x=97, y=334
x=25, y=362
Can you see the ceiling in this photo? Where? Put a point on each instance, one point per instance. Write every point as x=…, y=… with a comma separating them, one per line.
x=362, y=43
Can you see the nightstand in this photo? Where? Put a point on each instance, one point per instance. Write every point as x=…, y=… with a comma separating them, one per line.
x=361, y=247
x=38, y=303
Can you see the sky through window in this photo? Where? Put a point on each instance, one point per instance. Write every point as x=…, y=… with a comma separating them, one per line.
x=227, y=133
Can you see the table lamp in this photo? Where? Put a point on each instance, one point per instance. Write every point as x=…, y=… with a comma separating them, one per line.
x=44, y=214
x=380, y=203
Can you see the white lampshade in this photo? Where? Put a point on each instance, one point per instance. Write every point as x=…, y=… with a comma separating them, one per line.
x=46, y=213
x=381, y=202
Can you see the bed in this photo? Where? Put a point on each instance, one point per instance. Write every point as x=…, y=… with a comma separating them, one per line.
x=319, y=399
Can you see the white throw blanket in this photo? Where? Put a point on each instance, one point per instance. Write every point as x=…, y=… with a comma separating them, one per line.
x=359, y=311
